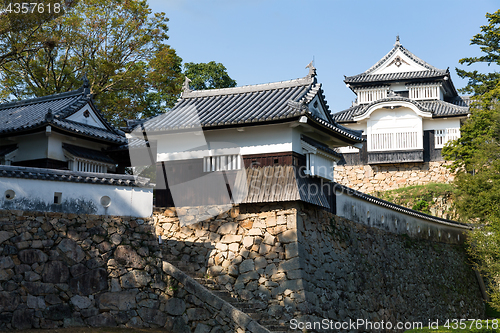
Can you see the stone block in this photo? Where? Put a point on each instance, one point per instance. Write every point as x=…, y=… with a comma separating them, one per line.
x=89, y=283
x=55, y=272
x=57, y=312
x=101, y=320
x=6, y=263
x=246, y=266
x=287, y=236
x=23, y=319
x=135, y=279
x=228, y=228
x=31, y=256
x=152, y=316
x=269, y=239
x=228, y=239
x=255, y=232
x=71, y=251
x=198, y=314
x=39, y=288
x=247, y=242
x=126, y=256
x=5, y=235
x=9, y=300
x=260, y=262
x=291, y=250
x=80, y=302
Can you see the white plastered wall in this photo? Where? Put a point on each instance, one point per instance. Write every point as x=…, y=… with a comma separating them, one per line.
x=37, y=194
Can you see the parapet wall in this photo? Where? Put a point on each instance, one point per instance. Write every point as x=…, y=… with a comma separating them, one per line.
x=372, y=178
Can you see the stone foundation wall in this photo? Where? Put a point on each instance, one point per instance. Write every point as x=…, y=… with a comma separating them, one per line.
x=67, y=270
x=354, y=271
x=371, y=178
x=299, y=262
x=291, y=260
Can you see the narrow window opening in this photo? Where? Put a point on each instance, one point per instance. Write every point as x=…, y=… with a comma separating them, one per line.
x=57, y=198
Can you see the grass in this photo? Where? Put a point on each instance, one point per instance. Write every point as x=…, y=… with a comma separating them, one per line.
x=417, y=197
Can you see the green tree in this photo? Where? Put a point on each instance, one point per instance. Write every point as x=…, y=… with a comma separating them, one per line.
x=486, y=85
x=209, y=75
x=121, y=48
x=476, y=157
x=18, y=15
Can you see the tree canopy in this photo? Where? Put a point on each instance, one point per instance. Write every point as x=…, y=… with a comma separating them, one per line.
x=476, y=157
x=209, y=75
x=121, y=48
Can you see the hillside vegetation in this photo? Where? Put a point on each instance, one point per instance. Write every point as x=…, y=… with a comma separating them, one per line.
x=435, y=199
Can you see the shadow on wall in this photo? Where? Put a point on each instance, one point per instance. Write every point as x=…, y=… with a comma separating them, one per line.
x=68, y=270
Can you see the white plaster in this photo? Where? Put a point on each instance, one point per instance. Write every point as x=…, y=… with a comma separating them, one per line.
x=441, y=123
x=407, y=65
x=125, y=200
x=356, y=209
x=92, y=120
x=198, y=144
x=319, y=111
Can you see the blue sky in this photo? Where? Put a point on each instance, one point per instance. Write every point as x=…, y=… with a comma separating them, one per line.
x=266, y=41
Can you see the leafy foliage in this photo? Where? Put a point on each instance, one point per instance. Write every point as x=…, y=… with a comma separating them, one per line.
x=27, y=19
x=485, y=85
x=121, y=48
x=209, y=75
x=476, y=158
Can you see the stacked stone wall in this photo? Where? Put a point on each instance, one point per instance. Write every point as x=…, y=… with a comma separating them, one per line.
x=354, y=271
x=291, y=260
x=299, y=262
x=372, y=178
x=67, y=270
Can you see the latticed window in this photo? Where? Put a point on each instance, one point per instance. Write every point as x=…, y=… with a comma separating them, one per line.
x=442, y=136
x=87, y=166
x=222, y=163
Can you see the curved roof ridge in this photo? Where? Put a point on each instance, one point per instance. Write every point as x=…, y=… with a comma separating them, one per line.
x=304, y=81
x=395, y=98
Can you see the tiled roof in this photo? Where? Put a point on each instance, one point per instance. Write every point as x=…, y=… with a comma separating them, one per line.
x=25, y=115
x=241, y=106
x=366, y=77
x=320, y=146
x=90, y=131
x=438, y=108
x=4, y=150
x=389, y=77
x=349, y=191
x=87, y=153
x=72, y=176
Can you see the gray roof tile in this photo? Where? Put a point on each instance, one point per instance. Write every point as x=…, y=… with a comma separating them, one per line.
x=438, y=108
x=351, y=192
x=388, y=77
x=87, y=153
x=231, y=107
x=25, y=115
x=73, y=176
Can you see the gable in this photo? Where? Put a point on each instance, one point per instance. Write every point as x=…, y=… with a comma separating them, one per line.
x=399, y=62
x=316, y=107
x=87, y=116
